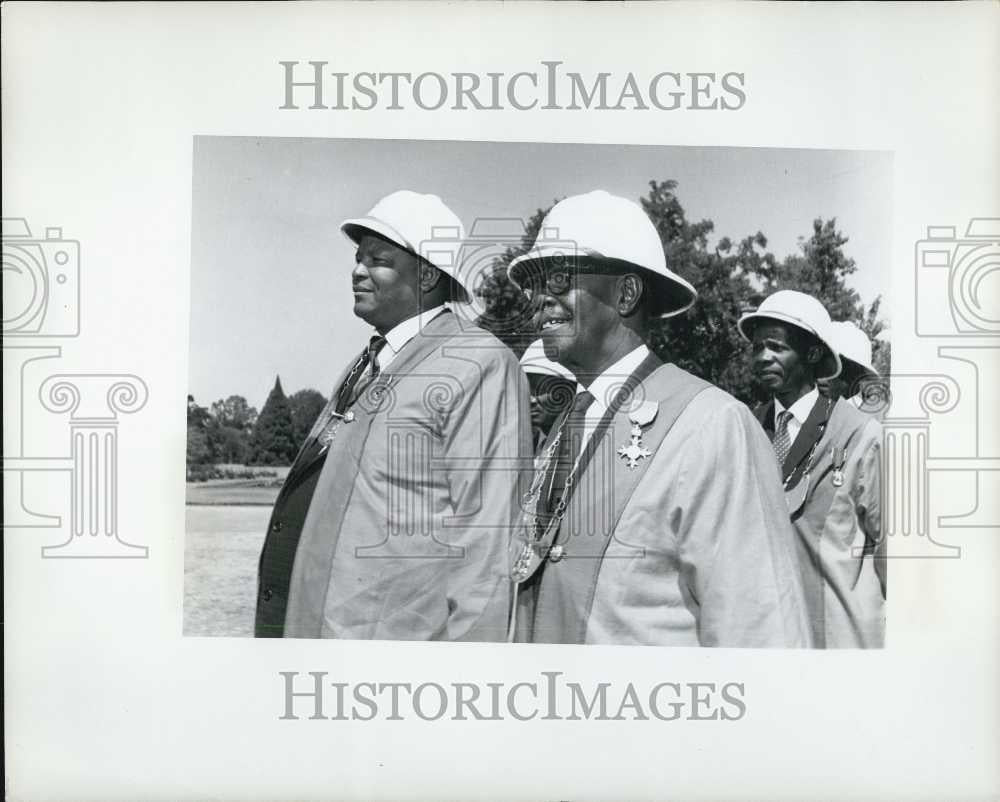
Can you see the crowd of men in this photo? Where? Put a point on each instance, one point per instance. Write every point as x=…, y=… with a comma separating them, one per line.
x=590, y=492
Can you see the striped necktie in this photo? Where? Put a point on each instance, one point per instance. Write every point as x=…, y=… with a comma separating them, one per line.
x=782, y=442
x=346, y=395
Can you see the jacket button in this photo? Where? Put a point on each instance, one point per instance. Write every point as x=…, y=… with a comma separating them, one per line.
x=268, y=594
x=277, y=526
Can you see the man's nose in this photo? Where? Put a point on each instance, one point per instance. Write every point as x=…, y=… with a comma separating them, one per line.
x=360, y=270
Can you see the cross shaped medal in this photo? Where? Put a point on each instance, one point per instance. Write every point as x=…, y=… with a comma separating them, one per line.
x=634, y=451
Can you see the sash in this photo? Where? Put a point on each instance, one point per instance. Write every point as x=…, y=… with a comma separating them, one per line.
x=810, y=434
x=530, y=548
x=568, y=611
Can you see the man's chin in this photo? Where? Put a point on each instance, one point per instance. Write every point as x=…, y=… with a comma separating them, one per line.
x=770, y=383
x=556, y=345
x=363, y=307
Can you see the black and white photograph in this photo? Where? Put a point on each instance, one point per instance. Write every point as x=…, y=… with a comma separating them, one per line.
x=581, y=401
x=537, y=393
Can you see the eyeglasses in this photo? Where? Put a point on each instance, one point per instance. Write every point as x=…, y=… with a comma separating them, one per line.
x=560, y=280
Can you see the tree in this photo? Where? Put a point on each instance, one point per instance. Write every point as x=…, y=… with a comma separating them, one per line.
x=198, y=450
x=705, y=340
x=234, y=412
x=306, y=406
x=821, y=270
x=273, y=441
x=227, y=443
x=508, y=314
x=731, y=278
x=228, y=429
x=196, y=415
x=197, y=447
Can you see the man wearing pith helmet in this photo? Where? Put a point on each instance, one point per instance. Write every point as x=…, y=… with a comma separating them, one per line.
x=552, y=389
x=858, y=378
x=655, y=515
x=395, y=519
x=830, y=459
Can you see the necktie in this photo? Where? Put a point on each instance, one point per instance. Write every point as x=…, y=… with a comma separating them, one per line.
x=782, y=442
x=569, y=447
x=346, y=394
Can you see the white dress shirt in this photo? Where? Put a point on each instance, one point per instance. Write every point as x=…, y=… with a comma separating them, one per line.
x=604, y=387
x=399, y=335
x=800, y=411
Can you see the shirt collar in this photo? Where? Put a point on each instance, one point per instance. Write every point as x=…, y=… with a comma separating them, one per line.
x=608, y=382
x=400, y=334
x=800, y=409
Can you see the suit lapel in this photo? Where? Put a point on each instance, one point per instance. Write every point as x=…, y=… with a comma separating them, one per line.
x=603, y=502
x=627, y=393
x=683, y=388
x=370, y=393
x=809, y=435
x=423, y=344
x=765, y=414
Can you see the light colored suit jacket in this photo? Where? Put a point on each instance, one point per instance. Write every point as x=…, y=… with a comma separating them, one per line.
x=407, y=532
x=691, y=546
x=835, y=503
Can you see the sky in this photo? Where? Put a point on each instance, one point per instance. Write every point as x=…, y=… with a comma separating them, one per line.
x=270, y=270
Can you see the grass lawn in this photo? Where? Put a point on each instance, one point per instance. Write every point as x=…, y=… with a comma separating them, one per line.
x=221, y=550
x=225, y=524
x=231, y=492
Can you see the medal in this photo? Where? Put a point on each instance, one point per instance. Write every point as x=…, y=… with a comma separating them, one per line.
x=330, y=430
x=634, y=451
x=839, y=458
x=522, y=565
x=641, y=414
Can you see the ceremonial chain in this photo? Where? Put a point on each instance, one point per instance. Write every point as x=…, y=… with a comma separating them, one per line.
x=530, y=498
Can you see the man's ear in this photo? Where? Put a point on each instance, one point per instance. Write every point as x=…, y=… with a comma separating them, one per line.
x=630, y=287
x=814, y=354
x=427, y=276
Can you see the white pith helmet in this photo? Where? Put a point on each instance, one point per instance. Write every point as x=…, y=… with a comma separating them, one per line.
x=804, y=312
x=534, y=361
x=422, y=224
x=853, y=346
x=599, y=224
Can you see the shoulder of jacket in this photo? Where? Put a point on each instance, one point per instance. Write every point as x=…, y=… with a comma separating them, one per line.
x=847, y=416
x=479, y=350
x=707, y=402
x=663, y=382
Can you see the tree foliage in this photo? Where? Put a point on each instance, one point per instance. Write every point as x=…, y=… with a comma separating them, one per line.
x=821, y=270
x=273, y=439
x=508, y=314
x=306, y=406
x=231, y=431
x=235, y=413
x=705, y=340
x=731, y=277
